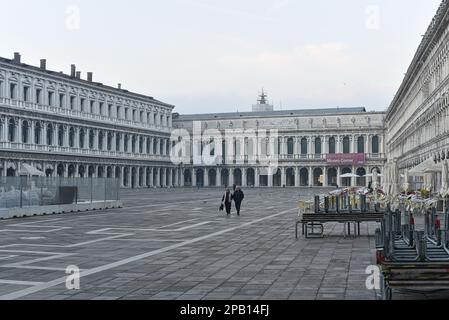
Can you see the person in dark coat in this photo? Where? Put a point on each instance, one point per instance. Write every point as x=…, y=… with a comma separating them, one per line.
x=227, y=201
x=238, y=197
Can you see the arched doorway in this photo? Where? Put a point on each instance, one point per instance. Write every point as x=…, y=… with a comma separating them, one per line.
x=250, y=177
x=25, y=131
x=37, y=133
x=109, y=172
x=290, y=177
x=100, y=172
x=118, y=173
x=212, y=176
x=48, y=172
x=11, y=172
x=361, y=145
x=133, y=177
x=304, y=177
x=225, y=177
x=332, y=177
x=346, y=182
x=199, y=178
x=277, y=178
x=346, y=145
x=81, y=171
x=125, y=177
x=60, y=170
x=317, y=173
x=187, y=178
x=71, y=171
x=91, y=171
x=141, y=175
x=361, y=180
x=238, y=177
x=332, y=145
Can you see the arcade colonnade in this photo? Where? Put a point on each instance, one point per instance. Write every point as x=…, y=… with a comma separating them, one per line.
x=292, y=176
x=130, y=176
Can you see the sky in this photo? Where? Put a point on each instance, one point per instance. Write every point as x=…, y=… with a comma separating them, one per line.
x=216, y=56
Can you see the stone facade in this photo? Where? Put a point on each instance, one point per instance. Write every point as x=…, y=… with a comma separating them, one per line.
x=417, y=121
x=304, y=141
x=66, y=126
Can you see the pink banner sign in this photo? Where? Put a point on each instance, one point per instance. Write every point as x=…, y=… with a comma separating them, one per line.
x=354, y=159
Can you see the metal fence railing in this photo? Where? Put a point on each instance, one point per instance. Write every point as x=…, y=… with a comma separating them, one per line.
x=44, y=191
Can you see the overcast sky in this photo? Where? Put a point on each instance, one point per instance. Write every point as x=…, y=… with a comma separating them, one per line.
x=215, y=56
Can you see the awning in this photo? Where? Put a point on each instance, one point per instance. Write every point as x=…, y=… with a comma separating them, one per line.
x=427, y=166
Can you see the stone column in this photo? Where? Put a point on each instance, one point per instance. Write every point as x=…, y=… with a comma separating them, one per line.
x=310, y=177
x=130, y=184
x=310, y=148
x=114, y=142
x=76, y=142
x=270, y=177
x=325, y=184
x=181, y=174
x=151, y=145
x=122, y=176
x=66, y=136
x=353, y=179
x=150, y=176
x=32, y=133
x=206, y=177
x=96, y=137
x=338, y=176
x=296, y=148
x=170, y=177
x=283, y=177
x=338, y=144
x=122, y=142
x=256, y=178
x=244, y=177
x=44, y=134
x=231, y=177
x=381, y=143
x=66, y=170
x=326, y=145
x=353, y=144
x=144, y=177
x=193, y=177
x=366, y=144
x=144, y=147
x=218, y=178
x=297, y=178
x=19, y=131
x=86, y=139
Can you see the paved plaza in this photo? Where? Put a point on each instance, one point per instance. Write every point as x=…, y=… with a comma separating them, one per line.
x=174, y=244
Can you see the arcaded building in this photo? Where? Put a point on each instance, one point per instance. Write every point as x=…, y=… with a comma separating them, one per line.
x=67, y=126
x=417, y=121
x=312, y=147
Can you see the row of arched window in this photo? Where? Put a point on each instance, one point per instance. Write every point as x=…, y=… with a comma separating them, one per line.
x=131, y=143
x=318, y=146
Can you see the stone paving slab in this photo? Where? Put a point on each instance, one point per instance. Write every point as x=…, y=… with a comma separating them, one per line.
x=174, y=244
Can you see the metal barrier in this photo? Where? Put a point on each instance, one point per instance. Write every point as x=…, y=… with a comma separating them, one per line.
x=18, y=192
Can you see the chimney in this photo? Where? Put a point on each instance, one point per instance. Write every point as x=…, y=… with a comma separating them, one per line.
x=73, y=71
x=78, y=74
x=119, y=86
x=16, y=57
x=89, y=76
x=43, y=64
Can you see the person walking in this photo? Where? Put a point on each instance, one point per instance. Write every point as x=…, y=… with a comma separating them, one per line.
x=238, y=197
x=227, y=201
